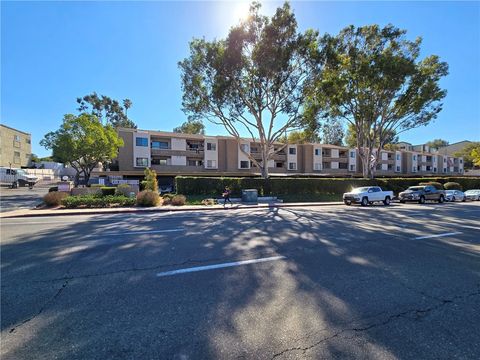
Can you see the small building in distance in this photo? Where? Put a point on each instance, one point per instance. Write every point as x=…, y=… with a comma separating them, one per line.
x=15, y=147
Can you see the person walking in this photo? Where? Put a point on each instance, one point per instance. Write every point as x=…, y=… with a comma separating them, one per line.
x=226, y=196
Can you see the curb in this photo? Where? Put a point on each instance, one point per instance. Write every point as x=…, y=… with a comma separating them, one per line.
x=179, y=209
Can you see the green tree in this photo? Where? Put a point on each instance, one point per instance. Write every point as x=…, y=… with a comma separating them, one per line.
x=331, y=132
x=106, y=110
x=373, y=79
x=253, y=81
x=437, y=143
x=191, y=127
x=470, y=154
x=82, y=142
x=351, y=139
x=34, y=158
x=150, y=182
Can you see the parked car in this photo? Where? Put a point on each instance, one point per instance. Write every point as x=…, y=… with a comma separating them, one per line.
x=473, y=194
x=421, y=194
x=16, y=177
x=454, y=195
x=367, y=195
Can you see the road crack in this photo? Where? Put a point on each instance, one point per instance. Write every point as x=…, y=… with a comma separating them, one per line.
x=412, y=314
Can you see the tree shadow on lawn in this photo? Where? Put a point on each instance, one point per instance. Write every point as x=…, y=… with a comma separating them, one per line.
x=73, y=291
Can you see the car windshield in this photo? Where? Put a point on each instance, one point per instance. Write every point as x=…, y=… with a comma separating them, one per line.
x=449, y=192
x=473, y=192
x=359, y=190
x=21, y=172
x=416, y=188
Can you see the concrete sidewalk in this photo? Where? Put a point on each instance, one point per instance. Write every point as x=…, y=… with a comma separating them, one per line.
x=167, y=208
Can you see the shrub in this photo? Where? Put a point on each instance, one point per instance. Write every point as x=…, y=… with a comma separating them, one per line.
x=167, y=199
x=149, y=198
x=436, y=184
x=452, y=186
x=53, y=188
x=213, y=187
x=123, y=189
x=54, y=198
x=150, y=182
x=209, y=201
x=108, y=190
x=179, y=200
x=95, y=201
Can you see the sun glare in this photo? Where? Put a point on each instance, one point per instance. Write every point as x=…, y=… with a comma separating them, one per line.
x=240, y=10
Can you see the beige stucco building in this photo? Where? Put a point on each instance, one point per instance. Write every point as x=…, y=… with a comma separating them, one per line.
x=171, y=154
x=15, y=147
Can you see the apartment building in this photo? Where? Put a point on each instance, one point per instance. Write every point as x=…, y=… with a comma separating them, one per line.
x=15, y=147
x=171, y=154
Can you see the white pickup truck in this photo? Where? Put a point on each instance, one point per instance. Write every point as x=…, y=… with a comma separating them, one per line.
x=367, y=195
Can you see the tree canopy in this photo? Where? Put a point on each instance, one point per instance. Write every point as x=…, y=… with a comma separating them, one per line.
x=471, y=155
x=253, y=81
x=191, y=127
x=82, y=142
x=437, y=143
x=106, y=109
x=373, y=79
x=351, y=138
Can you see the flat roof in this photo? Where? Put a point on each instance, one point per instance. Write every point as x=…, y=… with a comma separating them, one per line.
x=20, y=131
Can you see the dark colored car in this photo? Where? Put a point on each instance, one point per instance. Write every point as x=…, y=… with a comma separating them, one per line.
x=421, y=194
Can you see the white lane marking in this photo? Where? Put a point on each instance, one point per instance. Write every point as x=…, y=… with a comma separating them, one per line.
x=437, y=235
x=219, y=266
x=137, y=232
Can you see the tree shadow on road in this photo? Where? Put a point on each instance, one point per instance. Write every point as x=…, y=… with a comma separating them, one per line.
x=90, y=290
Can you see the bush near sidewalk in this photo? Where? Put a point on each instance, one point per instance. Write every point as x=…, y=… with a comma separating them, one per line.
x=179, y=200
x=211, y=186
x=95, y=201
x=453, y=186
x=149, y=198
x=54, y=198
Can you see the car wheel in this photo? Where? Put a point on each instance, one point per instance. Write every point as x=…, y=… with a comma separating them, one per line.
x=441, y=199
x=422, y=200
x=463, y=200
x=364, y=201
x=348, y=203
x=386, y=202
x=402, y=201
x=453, y=199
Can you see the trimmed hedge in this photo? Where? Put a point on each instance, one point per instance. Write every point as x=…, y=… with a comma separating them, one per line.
x=211, y=186
x=453, y=186
x=108, y=190
x=95, y=201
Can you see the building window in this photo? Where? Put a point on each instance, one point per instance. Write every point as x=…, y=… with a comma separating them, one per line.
x=160, y=162
x=244, y=165
x=292, y=165
x=317, y=166
x=343, y=166
x=28, y=141
x=434, y=169
x=211, y=164
x=317, y=152
x=27, y=156
x=212, y=147
x=159, y=144
x=352, y=167
x=398, y=168
x=254, y=149
x=414, y=157
x=16, y=157
x=352, y=154
x=16, y=137
x=195, y=162
x=140, y=141
x=244, y=148
x=142, y=162
x=292, y=151
x=279, y=165
x=414, y=169
x=398, y=156
x=461, y=161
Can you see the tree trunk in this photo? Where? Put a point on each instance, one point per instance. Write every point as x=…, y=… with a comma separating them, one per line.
x=264, y=168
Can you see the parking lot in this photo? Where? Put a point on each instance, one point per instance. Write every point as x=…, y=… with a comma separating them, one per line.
x=21, y=198
x=322, y=282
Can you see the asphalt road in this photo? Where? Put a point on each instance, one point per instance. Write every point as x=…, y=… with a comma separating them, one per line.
x=398, y=282
x=20, y=198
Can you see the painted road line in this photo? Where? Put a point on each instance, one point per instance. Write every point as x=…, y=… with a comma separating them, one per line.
x=139, y=232
x=219, y=266
x=437, y=235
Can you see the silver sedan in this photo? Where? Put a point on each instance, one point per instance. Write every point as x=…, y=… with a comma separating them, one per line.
x=454, y=195
x=473, y=194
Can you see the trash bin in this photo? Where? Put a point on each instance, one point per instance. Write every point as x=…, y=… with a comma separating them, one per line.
x=250, y=196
